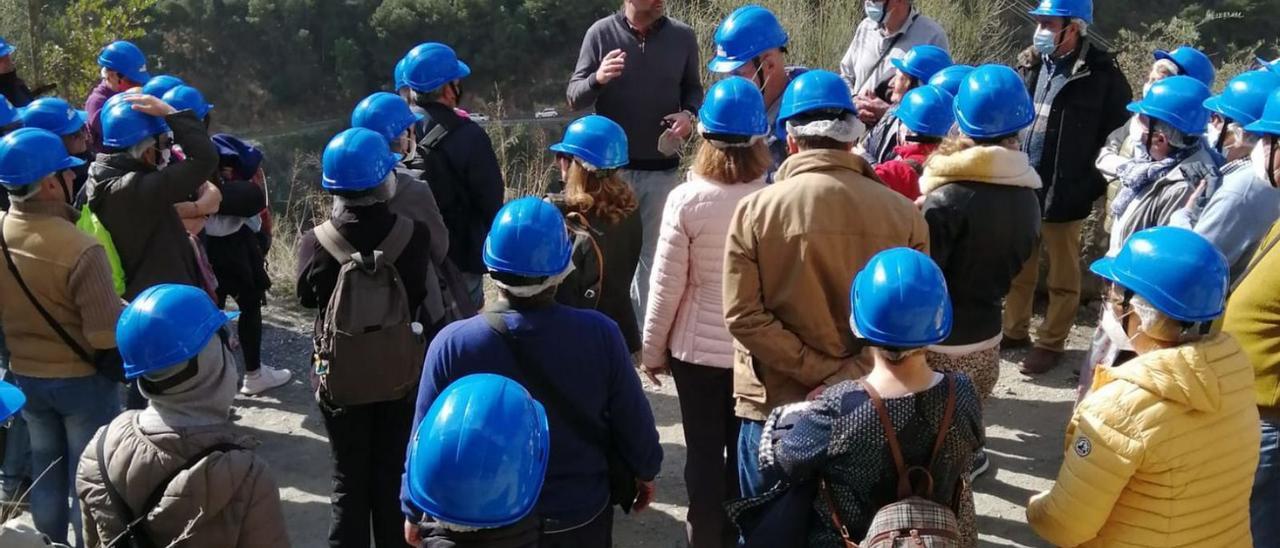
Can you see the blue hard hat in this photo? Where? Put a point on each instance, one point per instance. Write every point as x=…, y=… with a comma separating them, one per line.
x=1191, y=62
x=431, y=65
x=1177, y=101
x=927, y=110
x=11, y=400
x=188, y=98
x=595, y=140
x=125, y=58
x=950, y=78
x=1245, y=96
x=161, y=84
x=734, y=106
x=528, y=239
x=1176, y=270
x=357, y=159
x=923, y=61
x=900, y=300
x=166, y=325
x=54, y=114
x=745, y=34
x=813, y=91
x=1078, y=9
x=480, y=454
x=6, y=49
x=8, y=114
x=386, y=113
x=993, y=102
x=398, y=77
x=1269, y=123
x=123, y=127
x=31, y=154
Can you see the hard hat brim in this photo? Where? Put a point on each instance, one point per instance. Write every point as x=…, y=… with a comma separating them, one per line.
x=7, y=50
x=724, y=65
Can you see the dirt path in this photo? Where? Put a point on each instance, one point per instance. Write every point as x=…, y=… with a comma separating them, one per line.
x=1025, y=424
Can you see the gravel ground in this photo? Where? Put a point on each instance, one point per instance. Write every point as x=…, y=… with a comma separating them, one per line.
x=1025, y=425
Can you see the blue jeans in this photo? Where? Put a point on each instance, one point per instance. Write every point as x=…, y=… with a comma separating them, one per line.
x=651, y=189
x=750, y=480
x=63, y=415
x=15, y=456
x=1264, y=505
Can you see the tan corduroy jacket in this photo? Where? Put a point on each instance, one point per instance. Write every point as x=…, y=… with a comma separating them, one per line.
x=67, y=270
x=792, y=252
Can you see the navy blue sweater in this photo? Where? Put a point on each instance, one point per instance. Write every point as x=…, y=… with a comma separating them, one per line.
x=590, y=365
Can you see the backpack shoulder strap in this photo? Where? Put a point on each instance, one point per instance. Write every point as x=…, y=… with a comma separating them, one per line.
x=948, y=415
x=158, y=493
x=435, y=135
x=397, y=239
x=891, y=436
x=333, y=242
x=117, y=501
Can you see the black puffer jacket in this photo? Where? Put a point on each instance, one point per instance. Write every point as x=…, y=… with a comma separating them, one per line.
x=1084, y=113
x=984, y=221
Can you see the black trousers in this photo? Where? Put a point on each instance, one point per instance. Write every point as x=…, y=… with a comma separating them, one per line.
x=248, y=326
x=711, y=438
x=367, y=444
x=598, y=533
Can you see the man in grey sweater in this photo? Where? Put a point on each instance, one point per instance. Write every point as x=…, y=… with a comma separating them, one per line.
x=639, y=68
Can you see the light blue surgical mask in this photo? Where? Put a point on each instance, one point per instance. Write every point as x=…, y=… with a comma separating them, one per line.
x=875, y=12
x=1045, y=41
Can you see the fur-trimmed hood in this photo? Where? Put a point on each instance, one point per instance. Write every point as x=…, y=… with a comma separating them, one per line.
x=990, y=164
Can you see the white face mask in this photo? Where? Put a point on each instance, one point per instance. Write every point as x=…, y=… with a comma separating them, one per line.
x=166, y=156
x=1112, y=326
x=875, y=12
x=1045, y=41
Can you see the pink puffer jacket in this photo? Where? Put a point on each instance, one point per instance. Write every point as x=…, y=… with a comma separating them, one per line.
x=685, y=314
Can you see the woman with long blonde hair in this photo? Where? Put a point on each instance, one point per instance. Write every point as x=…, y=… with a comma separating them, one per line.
x=684, y=330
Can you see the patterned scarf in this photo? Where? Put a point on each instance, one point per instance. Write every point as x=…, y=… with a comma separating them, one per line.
x=1140, y=172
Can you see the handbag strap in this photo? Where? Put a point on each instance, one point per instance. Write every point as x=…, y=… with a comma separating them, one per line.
x=835, y=516
x=153, y=500
x=48, y=318
x=540, y=385
x=895, y=447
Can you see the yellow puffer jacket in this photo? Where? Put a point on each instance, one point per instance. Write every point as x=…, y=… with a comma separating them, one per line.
x=1162, y=454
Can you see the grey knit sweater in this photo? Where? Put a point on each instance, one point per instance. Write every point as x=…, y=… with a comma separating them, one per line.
x=661, y=77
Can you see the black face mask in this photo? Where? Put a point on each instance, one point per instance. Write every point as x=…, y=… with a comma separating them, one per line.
x=1271, y=160
x=67, y=193
x=1222, y=135
x=457, y=93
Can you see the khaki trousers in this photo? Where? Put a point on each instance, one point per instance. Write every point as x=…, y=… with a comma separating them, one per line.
x=1062, y=242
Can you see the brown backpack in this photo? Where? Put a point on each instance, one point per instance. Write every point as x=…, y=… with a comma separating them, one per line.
x=915, y=520
x=366, y=347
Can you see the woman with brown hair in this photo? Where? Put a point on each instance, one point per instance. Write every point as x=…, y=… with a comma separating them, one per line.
x=600, y=209
x=684, y=330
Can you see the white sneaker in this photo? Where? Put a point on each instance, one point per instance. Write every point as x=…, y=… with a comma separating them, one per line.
x=264, y=379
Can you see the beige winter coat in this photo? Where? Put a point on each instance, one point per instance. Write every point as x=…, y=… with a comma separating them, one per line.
x=226, y=500
x=686, y=314
x=792, y=252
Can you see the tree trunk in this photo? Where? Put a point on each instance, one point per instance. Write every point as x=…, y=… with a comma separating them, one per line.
x=35, y=71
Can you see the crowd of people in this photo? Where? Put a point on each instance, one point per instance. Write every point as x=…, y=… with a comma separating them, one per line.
x=829, y=283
